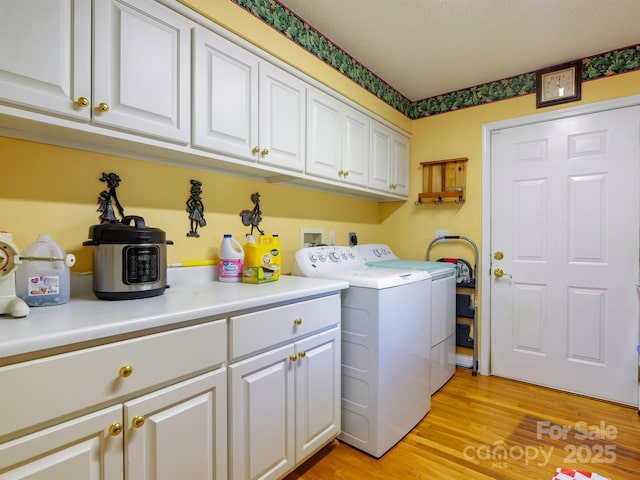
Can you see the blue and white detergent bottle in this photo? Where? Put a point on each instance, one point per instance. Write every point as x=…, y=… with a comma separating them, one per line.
x=231, y=260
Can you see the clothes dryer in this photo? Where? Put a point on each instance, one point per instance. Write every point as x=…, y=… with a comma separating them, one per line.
x=385, y=368
x=443, y=306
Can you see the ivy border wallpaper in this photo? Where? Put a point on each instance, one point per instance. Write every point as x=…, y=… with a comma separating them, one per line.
x=293, y=27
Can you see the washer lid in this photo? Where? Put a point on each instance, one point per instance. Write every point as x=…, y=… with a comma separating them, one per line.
x=436, y=269
x=377, y=278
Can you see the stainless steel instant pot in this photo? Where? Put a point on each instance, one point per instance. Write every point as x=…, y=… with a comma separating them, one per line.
x=129, y=261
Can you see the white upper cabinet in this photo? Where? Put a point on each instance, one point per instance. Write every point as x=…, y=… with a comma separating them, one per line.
x=355, y=146
x=141, y=68
x=282, y=119
x=338, y=140
x=45, y=59
x=324, y=130
x=153, y=79
x=225, y=96
x=245, y=107
x=389, y=160
x=141, y=63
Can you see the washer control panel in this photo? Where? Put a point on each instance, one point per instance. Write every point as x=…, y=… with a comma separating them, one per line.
x=312, y=261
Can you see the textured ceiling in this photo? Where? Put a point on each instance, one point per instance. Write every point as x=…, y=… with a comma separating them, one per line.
x=424, y=48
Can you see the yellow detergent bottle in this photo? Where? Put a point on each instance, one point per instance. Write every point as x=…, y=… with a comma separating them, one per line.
x=261, y=259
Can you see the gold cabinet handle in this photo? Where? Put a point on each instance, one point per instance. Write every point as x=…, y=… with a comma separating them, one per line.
x=265, y=152
x=103, y=107
x=346, y=173
x=125, y=371
x=293, y=357
x=297, y=321
x=302, y=354
x=115, y=429
x=499, y=273
x=137, y=421
x=255, y=149
x=82, y=102
x=340, y=173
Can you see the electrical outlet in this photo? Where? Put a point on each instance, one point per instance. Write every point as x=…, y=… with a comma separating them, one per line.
x=353, y=238
x=442, y=233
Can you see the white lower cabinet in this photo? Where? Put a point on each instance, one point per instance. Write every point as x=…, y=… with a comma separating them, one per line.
x=284, y=402
x=245, y=397
x=81, y=448
x=176, y=430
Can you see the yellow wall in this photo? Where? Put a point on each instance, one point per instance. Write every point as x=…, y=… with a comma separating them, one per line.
x=54, y=189
x=49, y=189
x=410, y=228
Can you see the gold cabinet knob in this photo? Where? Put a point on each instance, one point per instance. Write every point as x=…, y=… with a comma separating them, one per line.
x=137, y=421
x=125, y=371
x=265, y=152
x=346, y=173
x=82, y=101
x=302, y=354
x=340, y=173
x=255, y=149
x=115, y=429
x=103, y=107
x=297, y=321
x=293, y=357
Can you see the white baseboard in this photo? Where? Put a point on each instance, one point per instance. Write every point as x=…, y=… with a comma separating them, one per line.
x=464, y=360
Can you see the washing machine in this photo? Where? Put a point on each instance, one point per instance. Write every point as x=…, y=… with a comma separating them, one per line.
x=385, y=370
x=443, y=306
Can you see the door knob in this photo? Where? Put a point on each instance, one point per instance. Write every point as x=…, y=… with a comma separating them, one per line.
x=499, y=273
x=498, y=255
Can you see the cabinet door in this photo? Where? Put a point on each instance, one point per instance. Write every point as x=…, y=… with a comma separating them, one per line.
x=141, y=65
x=317, y=391
x=225, y=100
x=400, y=165
x=380, y=157
x=282, y=119
x=324, y=130
x=179, y=431
x=81, y=448
x=45, y=61
x=262, y=418
x=355, y=147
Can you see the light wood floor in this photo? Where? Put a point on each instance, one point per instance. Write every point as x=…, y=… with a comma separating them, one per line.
x=472, y=417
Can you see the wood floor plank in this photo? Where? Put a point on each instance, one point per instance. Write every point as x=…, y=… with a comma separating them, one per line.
x=491, y=428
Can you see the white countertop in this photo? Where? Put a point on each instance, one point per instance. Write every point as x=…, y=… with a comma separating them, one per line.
x=193, y=294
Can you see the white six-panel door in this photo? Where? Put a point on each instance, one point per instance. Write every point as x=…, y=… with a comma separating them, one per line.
x=565, y=218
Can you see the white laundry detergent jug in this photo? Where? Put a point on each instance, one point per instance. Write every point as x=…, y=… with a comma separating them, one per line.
x=43, y=277
x=231, y=260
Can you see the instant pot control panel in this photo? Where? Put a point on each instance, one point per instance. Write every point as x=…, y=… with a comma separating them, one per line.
x=141, y=264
